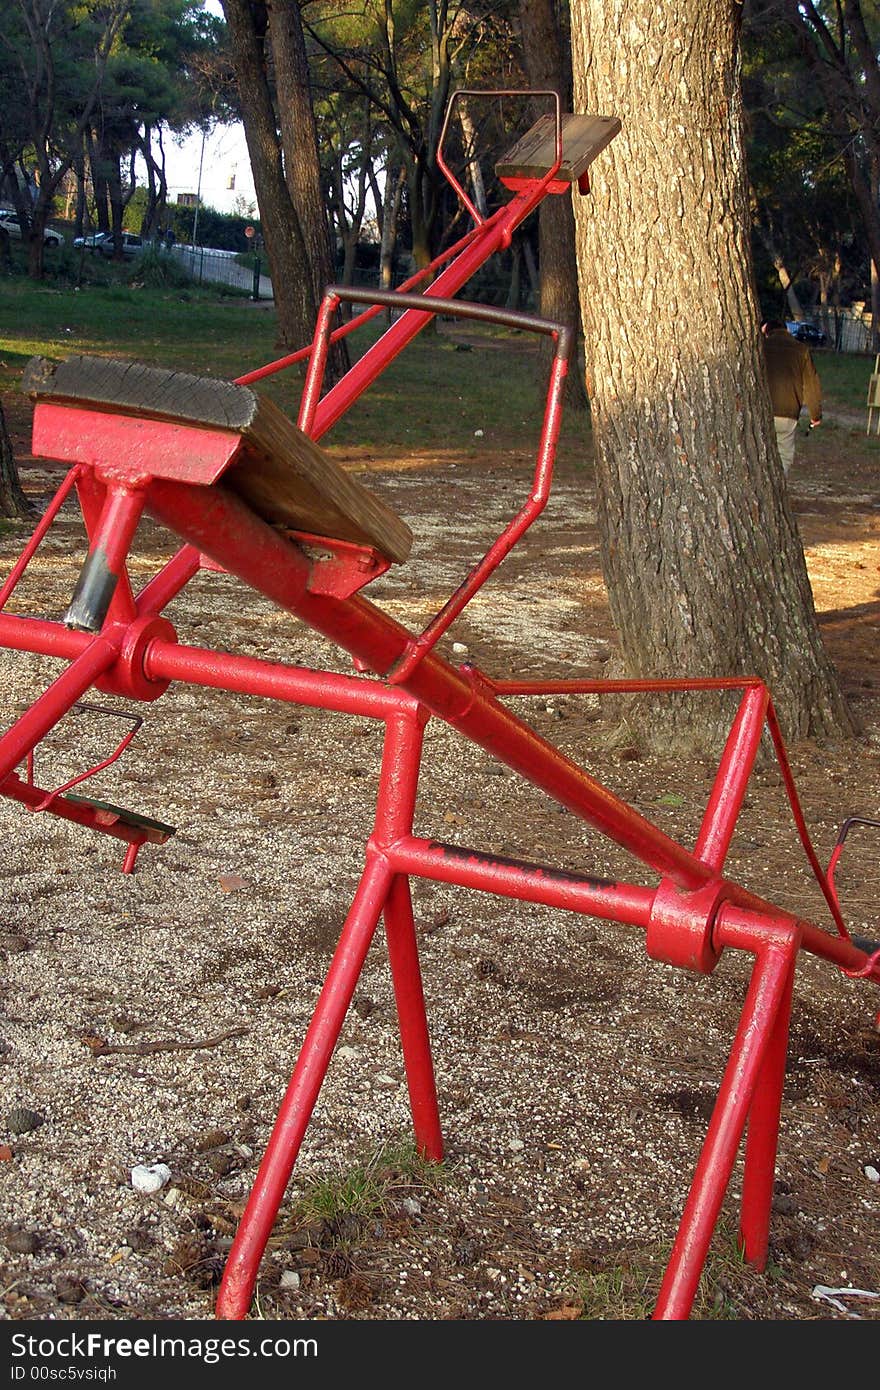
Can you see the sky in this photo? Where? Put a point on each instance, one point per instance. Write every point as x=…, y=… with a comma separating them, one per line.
x=225, y=169
x=225, y=162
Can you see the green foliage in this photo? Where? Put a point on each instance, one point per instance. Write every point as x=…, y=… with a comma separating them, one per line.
x=136, y=210
x=812, y=91
x=384, y=73
x=223, y=230
x=156, y=269
x=804, y=200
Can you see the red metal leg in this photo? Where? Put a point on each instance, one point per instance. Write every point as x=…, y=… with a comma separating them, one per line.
x=302, y=1093
x=395, y=806
x=102, y=591
x=404, y=957
x=756, y=1042
x=732, y=780
x=763, y=1128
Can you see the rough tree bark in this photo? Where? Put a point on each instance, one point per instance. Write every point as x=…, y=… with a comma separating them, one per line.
x=13, y=502
x=299, y=142
x=702, y=559
x=288, y=260
x=548, y=69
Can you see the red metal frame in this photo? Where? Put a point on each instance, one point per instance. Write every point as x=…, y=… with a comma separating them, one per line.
x=692, y=915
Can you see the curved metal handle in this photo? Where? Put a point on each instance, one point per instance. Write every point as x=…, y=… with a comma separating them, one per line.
x=495, y=92
x=429, y=304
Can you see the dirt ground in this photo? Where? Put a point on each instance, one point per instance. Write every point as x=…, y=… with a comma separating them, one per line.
x=155, y=1018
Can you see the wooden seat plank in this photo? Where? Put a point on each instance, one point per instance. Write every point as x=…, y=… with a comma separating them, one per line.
x=283, y=475
x=533, y=156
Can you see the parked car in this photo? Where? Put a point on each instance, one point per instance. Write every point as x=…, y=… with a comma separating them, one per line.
x=807, y=333
x=92, y=242
x=131, y=245
x=11, y=223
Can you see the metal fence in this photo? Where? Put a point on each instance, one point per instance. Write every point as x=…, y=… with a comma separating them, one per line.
x=208, y=266
x=846, y=330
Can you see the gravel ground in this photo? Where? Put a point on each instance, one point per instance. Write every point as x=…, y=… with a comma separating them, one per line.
x=155, y=1018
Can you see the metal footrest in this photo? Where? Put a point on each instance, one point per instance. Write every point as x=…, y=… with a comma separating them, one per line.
x=106, y=814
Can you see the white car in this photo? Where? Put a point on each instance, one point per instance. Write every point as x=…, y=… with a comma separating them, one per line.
x=11, y=223
x=91, y=243
x=131, y=245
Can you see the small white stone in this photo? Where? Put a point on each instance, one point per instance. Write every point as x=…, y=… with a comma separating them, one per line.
x=459, y=649
x=516, y=1145
x=346, y=1054
x=150, y=1177
x=871, y=1173
x=411, y=1206
x=383, y=1079
x=289, y=1280
x=478, y=434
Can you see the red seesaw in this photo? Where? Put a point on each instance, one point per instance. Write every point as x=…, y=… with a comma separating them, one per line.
x=253, y=495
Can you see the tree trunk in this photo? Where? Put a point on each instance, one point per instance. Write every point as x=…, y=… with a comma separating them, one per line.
x=299, y=142
x=875, y=280
x=794, y=304
x=514, y=288
x=475, y=173
x=79, y=223
x=99, y=182
x=531, y=268
x=548, y=68
x=13, y=502
x=291, y=279
x=701, y=554
x=395, y=177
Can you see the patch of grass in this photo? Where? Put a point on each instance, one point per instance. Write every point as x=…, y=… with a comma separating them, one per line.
x=185, y=327
x=844, y=377
x=627, y=1290
x=368, y=1188
x=465, y=393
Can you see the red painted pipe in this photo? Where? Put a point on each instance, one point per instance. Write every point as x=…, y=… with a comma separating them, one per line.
x=494, y=236
x=732, y=779
x=173, y=661
x=221, y=526
x=43, y=637
x=395, y=808
x=57, y=700
x=274, y=1172
x=534, y=883
x=290, y=360
x=768, y=990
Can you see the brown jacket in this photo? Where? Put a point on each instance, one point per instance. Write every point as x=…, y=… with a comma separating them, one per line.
x=791, y=376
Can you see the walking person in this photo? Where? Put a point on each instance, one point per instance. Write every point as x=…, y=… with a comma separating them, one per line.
x=793, y=382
